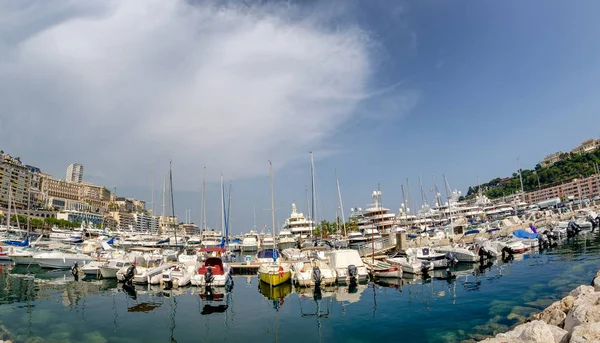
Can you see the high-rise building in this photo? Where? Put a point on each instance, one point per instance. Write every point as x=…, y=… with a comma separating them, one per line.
x=16, y=179
x=74, y=173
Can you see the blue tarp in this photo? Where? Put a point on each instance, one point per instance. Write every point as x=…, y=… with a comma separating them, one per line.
x=111, y=241
x=269, y=253
x=524, y=234
x=18, y=243
x=471, y=232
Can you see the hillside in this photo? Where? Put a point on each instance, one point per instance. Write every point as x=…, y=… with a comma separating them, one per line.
x=573, y=166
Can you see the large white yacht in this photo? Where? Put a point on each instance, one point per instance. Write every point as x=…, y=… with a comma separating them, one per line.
x=211, y=239
x=298, y=225
x=250, y=241
x=286, y=240
x=375, y=216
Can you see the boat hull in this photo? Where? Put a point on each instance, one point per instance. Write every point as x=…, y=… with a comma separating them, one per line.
x=23, y=260
x=109, y=272
x=275, y=279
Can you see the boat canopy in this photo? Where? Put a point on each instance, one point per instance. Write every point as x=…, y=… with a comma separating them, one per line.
x=268, y=253
x=525, y=234
x=494, y=229
x=471, y=232
x=18, y=243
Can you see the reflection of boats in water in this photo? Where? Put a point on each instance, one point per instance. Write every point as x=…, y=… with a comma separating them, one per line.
x=275, y=292
x=350, y=294
x=214, y=300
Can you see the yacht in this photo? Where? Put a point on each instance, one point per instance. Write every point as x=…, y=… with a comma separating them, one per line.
x=194, y=241
x=61, y=260
x=356, y=239
x=110, y=268
x=268, y=242
x=298, y=225
x=438, y=260
x=375, y=216
x=286, y=240
x=213, y=273
x=250, y=241
x=211, y=239
x=235, y=244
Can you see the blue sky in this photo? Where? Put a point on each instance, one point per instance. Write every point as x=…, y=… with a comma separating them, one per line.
x=380, y=90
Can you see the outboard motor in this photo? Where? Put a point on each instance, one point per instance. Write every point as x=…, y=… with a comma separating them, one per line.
x=129, y=274
x=507, y=254
x=452, y=260
x=544, y=241
x=316, y=274
x=572, y=229
x=426, y=266
x=352, y=273
x=75, y=271
x=208, y=276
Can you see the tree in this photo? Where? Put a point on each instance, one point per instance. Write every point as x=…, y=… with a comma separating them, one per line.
x=352, y=224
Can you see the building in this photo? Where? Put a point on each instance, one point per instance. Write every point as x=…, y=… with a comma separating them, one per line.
x=146, y=223
x=16, y=179
x=74, y=173
x=578, y=188
x=551, y=159
x=125, y=221
x=35, y=193
x=587, y=146
x=80, y=217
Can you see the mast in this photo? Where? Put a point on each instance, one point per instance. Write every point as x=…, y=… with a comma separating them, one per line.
x=163, y=197
x=272, y=200
x=153, y=183
x=172, y=201
x=203, y=209
x=422, y=193
x=449, y=202
x=337, y=182
x=228, y=216
x=520, y=176
x=222, y=205
x=312, y=181
x=310, y=221
x=9, y=205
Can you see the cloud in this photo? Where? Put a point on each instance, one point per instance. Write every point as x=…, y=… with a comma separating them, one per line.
x=121, y=85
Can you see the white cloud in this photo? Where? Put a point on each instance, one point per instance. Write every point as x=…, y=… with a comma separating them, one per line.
x=118, y=85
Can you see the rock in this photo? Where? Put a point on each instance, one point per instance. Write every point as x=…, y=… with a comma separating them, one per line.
x=556, y=313
x=536, y=331
x=586, y=309
x=583, y=289
x=596, y=283
x=589, y=332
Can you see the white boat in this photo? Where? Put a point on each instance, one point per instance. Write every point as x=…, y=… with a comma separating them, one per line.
x=299, y=226
x=294, y=254
x=213, y=273
x=22, y=255
x=194, y=241
x=461, y=254
x=110, y=268
x=179, y=275
x=92, y=268
x=61, y=260
x=411, y=265
x=286, y=240
x=308, y=273
x=250, y=241
x=211, y=239
x=356, y=239
x=438, y=259
x=268, y=242
x=144, y=275
x=348, y=266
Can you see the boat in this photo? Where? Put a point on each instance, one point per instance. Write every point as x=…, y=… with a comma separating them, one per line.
x=268, y=242
x=92, y=268
x=179, y=275
x=22, y=255
x=411, y=265
x=438, y=259
x=109, y=269
x=380, y=269
x=274, y=272
x=250, y=241
x=211, y=239
x=356, y=239
x=143, y=275
x=286, y=240
x=235, y=244
x=298, y=225
x=313, y=272
x=348, y=266
x=460, y=253
x=213, y=273
x=61, y=260
x=194, y=241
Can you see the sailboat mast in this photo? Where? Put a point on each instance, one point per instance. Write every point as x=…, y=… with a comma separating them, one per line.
x=337, y=182
x=310, y=221
x=272, y=199
x=228, y=216
x=203, y=209
x=153, y=183
x=9, y=204
x=172, y=200
x=312, y=181
x=164, y=190
x=222, y=206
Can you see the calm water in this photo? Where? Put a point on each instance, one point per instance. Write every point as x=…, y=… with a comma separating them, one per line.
x=49, y=306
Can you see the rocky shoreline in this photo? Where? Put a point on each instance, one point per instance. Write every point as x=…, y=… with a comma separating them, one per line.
x=573, y=319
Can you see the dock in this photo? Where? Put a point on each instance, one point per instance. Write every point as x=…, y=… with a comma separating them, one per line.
x=244, y=268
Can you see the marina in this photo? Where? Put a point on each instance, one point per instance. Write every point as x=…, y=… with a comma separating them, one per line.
x=480, y=301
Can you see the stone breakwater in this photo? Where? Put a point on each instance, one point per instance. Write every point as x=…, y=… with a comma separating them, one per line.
x=573, y=319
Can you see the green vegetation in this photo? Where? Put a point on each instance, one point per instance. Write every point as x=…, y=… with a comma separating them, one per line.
x=570, y=167
x=326, y=228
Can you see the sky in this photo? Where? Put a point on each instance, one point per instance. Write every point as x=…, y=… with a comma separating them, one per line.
x=380, y=91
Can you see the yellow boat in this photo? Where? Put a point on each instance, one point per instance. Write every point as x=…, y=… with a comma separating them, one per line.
x=275, y=273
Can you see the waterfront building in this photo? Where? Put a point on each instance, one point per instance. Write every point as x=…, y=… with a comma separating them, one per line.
x=146, y=222
x=578, y=188
x=190, y=229
x=14, y=178
x=553, y=158
x=74, y=173
x=129, y=204
x=80, y=217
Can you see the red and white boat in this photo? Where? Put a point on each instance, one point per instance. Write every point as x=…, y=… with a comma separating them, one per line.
x=383, y=269
x=213, y=273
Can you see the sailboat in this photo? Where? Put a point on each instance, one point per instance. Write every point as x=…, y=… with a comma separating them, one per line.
x=275, y=272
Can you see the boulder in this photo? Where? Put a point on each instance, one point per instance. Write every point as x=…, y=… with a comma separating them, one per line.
x=596, y=283
x=586, y=309
x=583, y=289
x=536, y=331
x=588, y=332
x=556, y=313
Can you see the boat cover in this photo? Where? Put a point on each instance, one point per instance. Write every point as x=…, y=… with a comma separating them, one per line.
x=525, y=234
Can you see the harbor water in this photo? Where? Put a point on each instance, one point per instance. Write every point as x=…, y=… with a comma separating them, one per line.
x=50, y=306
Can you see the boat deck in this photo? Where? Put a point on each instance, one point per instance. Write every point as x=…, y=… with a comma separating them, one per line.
x=244, y=268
